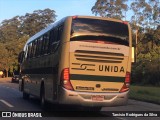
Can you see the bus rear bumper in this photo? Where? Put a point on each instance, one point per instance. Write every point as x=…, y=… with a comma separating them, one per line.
x=85, y=98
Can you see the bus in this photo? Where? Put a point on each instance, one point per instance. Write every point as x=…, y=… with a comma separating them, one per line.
x=80, y=60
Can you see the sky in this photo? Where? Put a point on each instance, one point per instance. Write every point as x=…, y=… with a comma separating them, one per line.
x=63, y=8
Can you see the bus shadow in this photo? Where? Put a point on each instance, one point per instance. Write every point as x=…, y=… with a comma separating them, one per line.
x=56, y=110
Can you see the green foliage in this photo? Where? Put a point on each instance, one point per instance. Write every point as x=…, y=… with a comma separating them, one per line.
x=146, y=14
x=147, y=68
x=38, y=20
x=110, y=8
x=16, y=31
x=6, y=58
x=9, y=30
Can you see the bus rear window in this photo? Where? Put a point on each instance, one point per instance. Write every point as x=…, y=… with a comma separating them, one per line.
x=100, y=27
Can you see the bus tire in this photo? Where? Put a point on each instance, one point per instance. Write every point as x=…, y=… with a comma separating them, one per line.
x=42, y=97
x=25, y=95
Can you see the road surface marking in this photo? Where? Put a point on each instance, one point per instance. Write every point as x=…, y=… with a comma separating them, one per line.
x=6, y=103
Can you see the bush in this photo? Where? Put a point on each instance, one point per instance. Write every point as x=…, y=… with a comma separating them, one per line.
x=146, y=73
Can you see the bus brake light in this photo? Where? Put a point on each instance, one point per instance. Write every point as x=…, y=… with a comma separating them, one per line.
x=65, y=79
x=127, y=79
x=66, y=74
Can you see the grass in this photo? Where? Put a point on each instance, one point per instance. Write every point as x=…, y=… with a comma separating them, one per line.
x=144, y=93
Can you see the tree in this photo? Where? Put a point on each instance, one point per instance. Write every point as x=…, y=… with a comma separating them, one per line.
x=9, y=30
x=143, y=22
x=154, y=13
x=36, y=21
x=138, y=6
x=147, y=67
x=146, y=14
x=110, y=8
x=16, y=31
x=6, y=59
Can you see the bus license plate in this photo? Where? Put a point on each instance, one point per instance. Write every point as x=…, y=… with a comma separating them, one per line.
x=97, y=97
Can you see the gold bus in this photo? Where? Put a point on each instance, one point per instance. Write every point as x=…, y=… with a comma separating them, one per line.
x=80, y=60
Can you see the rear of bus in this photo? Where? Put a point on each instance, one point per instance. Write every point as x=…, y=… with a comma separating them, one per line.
x=95, y=62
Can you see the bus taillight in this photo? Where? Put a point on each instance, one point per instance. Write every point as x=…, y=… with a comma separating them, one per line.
x=65, y=79
x=127, y=79
x=126, y=83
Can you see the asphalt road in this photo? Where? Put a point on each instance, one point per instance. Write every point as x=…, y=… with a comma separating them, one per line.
x=11, y=101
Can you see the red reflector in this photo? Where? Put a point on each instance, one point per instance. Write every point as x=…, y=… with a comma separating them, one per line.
x=127, y=83
x=124, y=88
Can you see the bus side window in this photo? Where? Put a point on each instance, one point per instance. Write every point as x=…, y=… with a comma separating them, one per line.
x=43, y=45
x=60, y=30
x=57, y=36
x=34, y=48
x=54, y=44
x=40, y=45
x=26, y=52
x=45, y=42
x=52, y=40
x=37, y=47
x=29, y=51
